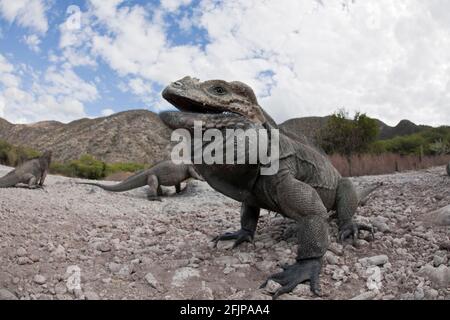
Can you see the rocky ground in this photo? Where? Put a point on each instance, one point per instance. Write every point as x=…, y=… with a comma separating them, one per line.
x=78, y=242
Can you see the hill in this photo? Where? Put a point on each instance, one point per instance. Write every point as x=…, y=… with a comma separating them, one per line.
x=311, y=126
x=131, y=136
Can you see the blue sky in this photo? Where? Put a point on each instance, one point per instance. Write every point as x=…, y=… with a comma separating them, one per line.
x=389, y=59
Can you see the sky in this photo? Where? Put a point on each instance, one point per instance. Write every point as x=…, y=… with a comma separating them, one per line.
x=69, y=59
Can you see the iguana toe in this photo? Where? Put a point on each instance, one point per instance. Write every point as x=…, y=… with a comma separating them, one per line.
x=297, y=273
x=240, y=236
x=352, y=229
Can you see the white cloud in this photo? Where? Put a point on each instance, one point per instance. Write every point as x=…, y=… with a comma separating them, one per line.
x=27, y=13
x=386, y=58
x=173, y=5
x=33, y=42
x=58, y=94
x=107, y=112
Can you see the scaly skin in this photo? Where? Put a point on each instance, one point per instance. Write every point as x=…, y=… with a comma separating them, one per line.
x=165, y=173
x=32, y=172
x=305, y=188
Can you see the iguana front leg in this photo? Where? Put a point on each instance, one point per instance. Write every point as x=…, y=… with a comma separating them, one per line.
x=249, y=221
x=301, y=202
x=42, y=179
x=347, y=200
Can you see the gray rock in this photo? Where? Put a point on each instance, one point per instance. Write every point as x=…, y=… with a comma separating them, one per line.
x=21, y=252
x=419, y=294
x=336, y=248
x=103, y=247
x=91, y=295
x=272, y=286
x=59, y=252
x=375, y=261
x=7, y=295
x=440, y=217
x=24, y=260
x=440, y=276
x=39, y=279
x=381, y=225
x=440, y=258
x=303, y=290
x=245, y=257
x=369, y=295
x=151, y=280
x=114, y=267
x=183, y=274
x=431, y=294
x=331, y=258
x=227, y=260
x=78, y=293
x=60, y=288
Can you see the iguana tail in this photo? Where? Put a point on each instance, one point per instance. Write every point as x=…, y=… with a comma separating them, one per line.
x=364, y=194
x=133, y=182
x=9, y=180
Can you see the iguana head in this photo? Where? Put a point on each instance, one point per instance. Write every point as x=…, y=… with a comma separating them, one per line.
x=211, y=101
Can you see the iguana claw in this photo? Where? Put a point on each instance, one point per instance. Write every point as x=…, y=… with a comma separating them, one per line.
x=293, y=275
x=241, y=236
x=352, y=229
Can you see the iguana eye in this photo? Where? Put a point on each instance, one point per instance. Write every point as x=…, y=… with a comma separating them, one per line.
x=219, y=90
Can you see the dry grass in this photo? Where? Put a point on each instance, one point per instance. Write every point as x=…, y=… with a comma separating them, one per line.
x=369, y=164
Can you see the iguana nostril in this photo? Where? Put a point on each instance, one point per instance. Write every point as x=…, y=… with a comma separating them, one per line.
x=177, y=84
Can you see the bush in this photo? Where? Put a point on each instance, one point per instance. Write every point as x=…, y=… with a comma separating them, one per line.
x=123, y=167
x=433, y=141
x=88, y=167
x=12, y=156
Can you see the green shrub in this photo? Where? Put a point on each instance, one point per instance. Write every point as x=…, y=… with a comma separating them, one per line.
x=112, y=168
x=88, y=167
x=12, y=156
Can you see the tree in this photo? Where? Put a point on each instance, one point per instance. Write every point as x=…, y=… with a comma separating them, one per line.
x=348, y=136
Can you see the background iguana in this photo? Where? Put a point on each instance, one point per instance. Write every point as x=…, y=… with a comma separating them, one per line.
x=305, y=188
x=32, y=172
x=164, y=173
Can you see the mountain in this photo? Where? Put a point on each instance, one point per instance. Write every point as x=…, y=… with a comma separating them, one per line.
x=138, y=135
x=130, y=136
x=403, y=128
x=311, y=126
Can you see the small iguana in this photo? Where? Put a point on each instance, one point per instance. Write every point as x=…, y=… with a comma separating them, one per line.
x=304, y=189
x=164, y=173
x=32, y=172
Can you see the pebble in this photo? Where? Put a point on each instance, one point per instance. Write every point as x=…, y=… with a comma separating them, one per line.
x=104, y=247
x=60, y=288
x=369, y=295
x=24, y=260
x=151, y=280
x=440, y=276
x=91, y=295
x=39, y=279
x=375, y=260
x=331, y=258
x=7, y=295
x=21, y=252
x=182, y=275
x=272, y=286
x=440, y=258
